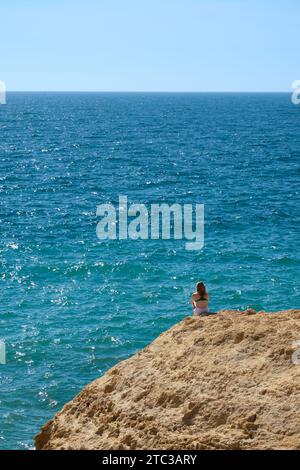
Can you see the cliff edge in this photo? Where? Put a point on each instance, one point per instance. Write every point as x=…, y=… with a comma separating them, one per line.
x=227, y=381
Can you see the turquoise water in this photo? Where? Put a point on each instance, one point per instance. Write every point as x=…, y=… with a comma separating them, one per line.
x=71, y=306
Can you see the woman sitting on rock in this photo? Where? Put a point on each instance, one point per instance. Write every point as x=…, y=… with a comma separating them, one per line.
x=200, y=299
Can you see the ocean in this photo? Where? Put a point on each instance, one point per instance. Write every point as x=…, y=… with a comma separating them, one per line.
x=72, y=306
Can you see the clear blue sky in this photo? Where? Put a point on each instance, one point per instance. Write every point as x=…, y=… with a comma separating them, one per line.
x=151, y=45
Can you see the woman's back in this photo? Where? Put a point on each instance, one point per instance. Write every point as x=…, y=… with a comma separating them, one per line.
x=200, y=299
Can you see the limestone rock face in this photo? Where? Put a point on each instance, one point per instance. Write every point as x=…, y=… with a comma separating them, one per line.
x=226, y=381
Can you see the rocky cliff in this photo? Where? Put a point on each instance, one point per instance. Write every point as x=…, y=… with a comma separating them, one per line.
x=228, y=381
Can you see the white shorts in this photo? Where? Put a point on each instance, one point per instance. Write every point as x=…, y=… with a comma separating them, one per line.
x=198, y=311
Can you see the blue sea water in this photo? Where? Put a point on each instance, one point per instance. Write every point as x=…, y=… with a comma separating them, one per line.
x=73, y=306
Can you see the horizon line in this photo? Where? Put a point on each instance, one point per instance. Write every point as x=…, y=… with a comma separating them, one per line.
x=147, y=91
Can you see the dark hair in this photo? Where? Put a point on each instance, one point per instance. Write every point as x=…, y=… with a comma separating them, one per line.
x=201, y=289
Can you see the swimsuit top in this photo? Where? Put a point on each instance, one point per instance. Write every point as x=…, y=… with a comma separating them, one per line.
x=203, y=299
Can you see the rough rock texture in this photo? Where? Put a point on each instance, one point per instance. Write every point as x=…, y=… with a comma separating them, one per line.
x=219, y=382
